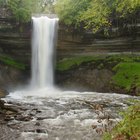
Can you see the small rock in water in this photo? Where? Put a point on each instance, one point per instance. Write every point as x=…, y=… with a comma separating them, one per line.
x=32, y=130
x=40, y=131
x=9, y=112
x=23, y=118
x=42, y=118
x=8, y=118
x=37, y=124
x=94, y=126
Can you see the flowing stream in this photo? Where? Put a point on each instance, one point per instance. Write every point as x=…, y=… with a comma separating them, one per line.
x=67, y=115
x=46, y=113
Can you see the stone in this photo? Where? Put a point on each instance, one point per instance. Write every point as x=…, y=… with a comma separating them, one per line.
x=23, y=118
x=40, y=130
x=9, y=112
x=37, y=124
x=2, y=104
x=3, y=93
x=8, y=118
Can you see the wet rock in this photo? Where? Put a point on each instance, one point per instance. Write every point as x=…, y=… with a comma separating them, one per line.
x=31, y=130
x=38, y=111
x=40, y=130
x=93, y=79
x=3, y=122
x=3, y=93
x=11, y=108
x=14, y=126
x=41, y=118
x=23, y=118
x=37, y=124
x=2, y=103
x=6, y=133
x=8, y=118
x=9, y=112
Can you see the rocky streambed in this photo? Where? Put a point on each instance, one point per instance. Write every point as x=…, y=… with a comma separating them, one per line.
x=61, y=116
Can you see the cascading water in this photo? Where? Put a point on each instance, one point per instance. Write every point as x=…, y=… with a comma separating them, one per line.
x=43, y=46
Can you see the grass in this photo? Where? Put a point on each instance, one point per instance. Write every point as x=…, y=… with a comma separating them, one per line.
x=11, y=62
x=126, y=68
x=129, y=127
x=69, y=63
x=127, y=73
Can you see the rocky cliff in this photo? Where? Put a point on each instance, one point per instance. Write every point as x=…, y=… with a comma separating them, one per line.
x=15, y=42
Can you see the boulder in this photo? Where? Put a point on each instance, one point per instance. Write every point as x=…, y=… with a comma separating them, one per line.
x=3, y=93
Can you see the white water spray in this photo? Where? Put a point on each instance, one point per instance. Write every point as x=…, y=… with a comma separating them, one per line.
x=43, y=46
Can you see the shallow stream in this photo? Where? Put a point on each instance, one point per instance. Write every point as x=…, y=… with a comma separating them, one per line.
x=66, y=115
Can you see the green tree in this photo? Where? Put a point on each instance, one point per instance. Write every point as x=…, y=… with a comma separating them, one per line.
x=69, y=11
x=95, y=14
x=22, y=9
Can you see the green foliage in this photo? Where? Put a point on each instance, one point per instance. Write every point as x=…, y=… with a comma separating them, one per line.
x=69, y=11
x=2, y=3
x=10, y=61
x=124, y=7
x=129, y=127
x=95, y=14
x=22, y=9
x=125, y=68
x=127, y=74
x=66, y=64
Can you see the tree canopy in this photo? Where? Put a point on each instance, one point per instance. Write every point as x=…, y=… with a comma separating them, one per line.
x=90, y=14
x=95, y=14
x=23, y=9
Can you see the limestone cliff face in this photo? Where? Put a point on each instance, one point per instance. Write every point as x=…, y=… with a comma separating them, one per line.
x=85, y=79
x=72, y=44
x=11, y=77
x=15, y=41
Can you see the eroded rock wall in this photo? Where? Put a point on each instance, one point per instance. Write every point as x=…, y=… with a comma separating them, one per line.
x=15, y=41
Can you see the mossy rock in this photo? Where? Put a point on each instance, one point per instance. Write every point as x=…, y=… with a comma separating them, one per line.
x=127, y=76
x=11, y=62
x=125, y=69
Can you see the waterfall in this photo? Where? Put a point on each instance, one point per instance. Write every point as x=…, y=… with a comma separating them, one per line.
x=43, y=48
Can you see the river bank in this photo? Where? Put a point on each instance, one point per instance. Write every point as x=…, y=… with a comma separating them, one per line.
x=100, y=73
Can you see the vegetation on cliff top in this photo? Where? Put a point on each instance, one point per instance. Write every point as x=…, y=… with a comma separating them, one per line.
x=22, y=10
x=97, y=14
x=91, y=14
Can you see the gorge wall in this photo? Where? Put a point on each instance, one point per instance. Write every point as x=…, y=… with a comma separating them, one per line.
x=15, y=42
